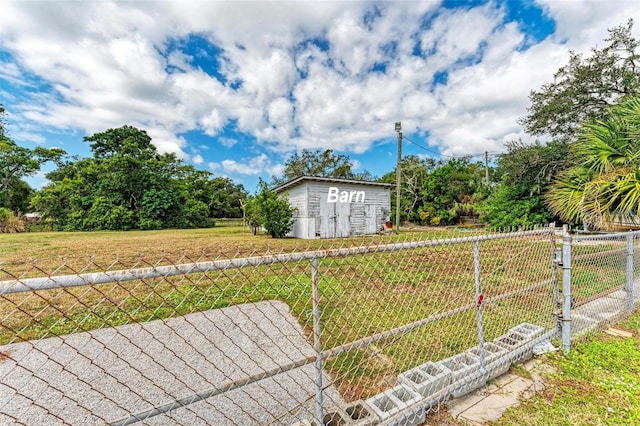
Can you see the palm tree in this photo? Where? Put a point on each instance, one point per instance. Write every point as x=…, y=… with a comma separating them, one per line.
x=604, y=184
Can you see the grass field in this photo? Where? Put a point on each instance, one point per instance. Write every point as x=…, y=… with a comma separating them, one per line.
x=360, y=295
x=49, y=249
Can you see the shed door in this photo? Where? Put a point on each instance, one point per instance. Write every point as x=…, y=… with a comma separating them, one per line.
x=327, y=219
x=370, y=219
x=343, y=219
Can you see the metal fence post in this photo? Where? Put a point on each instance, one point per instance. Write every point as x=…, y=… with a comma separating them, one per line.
x=556, y=255
x=566, y=289
x=317, y=344
x=630, y=297
x=479, y=297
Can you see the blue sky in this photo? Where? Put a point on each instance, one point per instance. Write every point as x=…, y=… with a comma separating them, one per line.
x=237, y=87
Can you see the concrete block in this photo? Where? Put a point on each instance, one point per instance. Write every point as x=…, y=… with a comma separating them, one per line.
x=465, y=373
x=408, y=397
x=511, y=340
x=426, y=379
x=496, y=360
x=384, y=406
x=360, y=414
x=514, y=342
x=531, y=331
x=335, y=418
x=411, y=417
x=491, y=352
x=393, y=401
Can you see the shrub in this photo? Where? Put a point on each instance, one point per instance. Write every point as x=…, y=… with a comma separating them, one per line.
x=10, y=223
x=271, y=211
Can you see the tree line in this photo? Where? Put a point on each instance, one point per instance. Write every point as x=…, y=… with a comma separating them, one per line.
x=586, y=171
x=125, y=185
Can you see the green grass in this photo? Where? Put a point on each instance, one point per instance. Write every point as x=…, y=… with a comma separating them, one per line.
x=596, y=383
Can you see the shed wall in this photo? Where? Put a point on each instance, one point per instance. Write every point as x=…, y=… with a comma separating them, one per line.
x=316, y=217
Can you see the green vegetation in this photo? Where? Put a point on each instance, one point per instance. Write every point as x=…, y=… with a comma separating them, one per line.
x=525, y=172
x=16, y=163
x=597, y=382
x=129, y=185
x=584, y=89
x=271, y=211
x=438, y=192
x=565, y=178
x=604, y=184
x=321, y=163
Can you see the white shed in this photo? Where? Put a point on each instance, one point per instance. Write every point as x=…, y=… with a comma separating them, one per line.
x=330, y=208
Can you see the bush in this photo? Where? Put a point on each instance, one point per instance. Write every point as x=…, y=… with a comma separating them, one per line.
x=10, y=223
x=4, y=214
x=271, y=211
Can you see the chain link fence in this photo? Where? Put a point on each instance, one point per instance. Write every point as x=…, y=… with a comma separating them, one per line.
x=336, y=333
x=604, y=281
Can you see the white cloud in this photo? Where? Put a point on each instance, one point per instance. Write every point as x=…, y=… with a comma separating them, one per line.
x=227, y=142
x=457, y=35
x=30, y=137
x=583, y=24
x=251, y=166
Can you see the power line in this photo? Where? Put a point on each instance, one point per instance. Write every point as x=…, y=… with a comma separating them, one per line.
x=426, y=149
x=445, y=155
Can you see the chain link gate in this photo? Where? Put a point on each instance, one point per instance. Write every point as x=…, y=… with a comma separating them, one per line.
x=376, y=331
x=600, y=280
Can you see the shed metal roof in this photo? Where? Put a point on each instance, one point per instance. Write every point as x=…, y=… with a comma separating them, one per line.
x=300, y=179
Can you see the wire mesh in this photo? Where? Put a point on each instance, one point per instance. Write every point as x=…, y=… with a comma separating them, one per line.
x=600, y=279
x=384, y=326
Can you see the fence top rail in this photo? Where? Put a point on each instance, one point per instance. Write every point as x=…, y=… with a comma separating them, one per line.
x=105, y=277
x=612, y=236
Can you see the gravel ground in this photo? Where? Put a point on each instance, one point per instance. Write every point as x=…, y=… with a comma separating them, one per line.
x=109, y=374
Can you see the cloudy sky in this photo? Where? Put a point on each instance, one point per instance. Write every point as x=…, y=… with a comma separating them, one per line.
x=236, y=87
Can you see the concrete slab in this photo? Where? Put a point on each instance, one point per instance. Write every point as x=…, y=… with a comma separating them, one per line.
x=618, y=333
x=103, y=375
x=489, y=403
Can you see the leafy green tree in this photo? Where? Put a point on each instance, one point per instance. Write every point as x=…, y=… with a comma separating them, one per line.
x=17, y=196
x=322, y=163
x=453, y=188
x=225, y=198
x=415, y=171
x=17, y=162
x=438, y=193
x=127, y=184
x=511, y=206
x=604, y=184
x=583, y=89
x=271, y=211
x=524, y=172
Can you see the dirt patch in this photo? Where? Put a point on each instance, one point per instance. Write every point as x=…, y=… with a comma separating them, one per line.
x=439, y=416
x=5, y=356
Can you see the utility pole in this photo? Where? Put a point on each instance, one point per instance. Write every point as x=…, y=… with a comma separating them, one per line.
x=398, y=173
x=486, y=167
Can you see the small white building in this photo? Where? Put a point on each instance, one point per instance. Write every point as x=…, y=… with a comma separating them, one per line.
x=331, y=208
